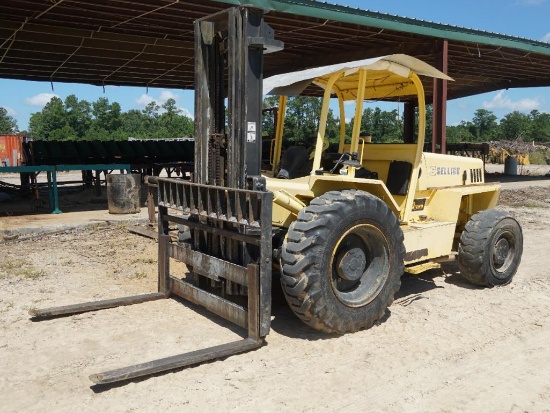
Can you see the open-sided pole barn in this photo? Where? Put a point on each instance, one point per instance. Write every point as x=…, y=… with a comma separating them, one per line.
x=150, y=44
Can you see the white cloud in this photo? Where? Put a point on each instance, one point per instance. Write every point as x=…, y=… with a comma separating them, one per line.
x=546, y=38
x=166, y=94
x=162, y=97
x=10, y=111
x=40, y=100
x=144, y=100
x=186, y=112
x=503, y=102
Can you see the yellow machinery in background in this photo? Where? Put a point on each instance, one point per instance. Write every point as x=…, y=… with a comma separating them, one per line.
x=499, y=155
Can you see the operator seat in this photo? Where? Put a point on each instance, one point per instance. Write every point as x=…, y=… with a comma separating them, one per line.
x=295, y=163
x=399, y=175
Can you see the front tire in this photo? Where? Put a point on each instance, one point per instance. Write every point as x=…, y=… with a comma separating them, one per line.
x=490, y=248
x=342, y=261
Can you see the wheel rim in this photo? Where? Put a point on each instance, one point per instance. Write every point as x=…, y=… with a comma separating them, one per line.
x=503, y=252
x=359, y=265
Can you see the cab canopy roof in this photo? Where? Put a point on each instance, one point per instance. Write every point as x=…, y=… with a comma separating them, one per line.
x=387, y=78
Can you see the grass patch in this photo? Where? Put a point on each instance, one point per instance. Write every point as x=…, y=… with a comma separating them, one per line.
x=539, y=157
x=144, y=261
x=7, y=305
x=96, y=227
x=9, y=265
x=8, y=268
x=529, y=204
x=31, y=273
x=121, y=226
x=139, y=275
x=112, y=245
x=20, y=269
x=524, y=203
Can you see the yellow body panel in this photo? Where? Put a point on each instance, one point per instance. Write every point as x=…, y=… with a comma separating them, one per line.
x=429, y=239
x=439, y=171
x=306, y=188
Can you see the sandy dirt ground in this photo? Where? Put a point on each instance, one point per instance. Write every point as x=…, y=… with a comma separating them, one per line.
x=443, y=346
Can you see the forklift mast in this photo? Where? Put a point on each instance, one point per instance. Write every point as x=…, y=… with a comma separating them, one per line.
x=227, y=210
x=229, y=49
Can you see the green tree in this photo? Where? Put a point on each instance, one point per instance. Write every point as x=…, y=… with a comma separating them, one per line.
x=460, y=133
x=540, y=127
x=515, y=126
x=171, y=110
x=102, y=120
x=428, y=131
x=8, y=125
x=172, y=124
x=133, y=123
x=66, y=133
x=151, y=117
x=302, y=119
x=107, y=122
x=367, y=123
x=429, y=123
x=79, y=115
x=53, y=116
x=383, y=126
x=484, y=125
x=332, y=132
x=268, y=119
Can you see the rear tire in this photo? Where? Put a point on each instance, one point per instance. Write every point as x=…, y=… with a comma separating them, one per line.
x=490, y=248
x=342, y=261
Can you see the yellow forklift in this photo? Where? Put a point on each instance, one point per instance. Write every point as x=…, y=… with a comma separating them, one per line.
x=340, y=228
x=352, y=228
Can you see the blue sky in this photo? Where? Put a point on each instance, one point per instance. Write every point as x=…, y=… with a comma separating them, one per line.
x=523, y=18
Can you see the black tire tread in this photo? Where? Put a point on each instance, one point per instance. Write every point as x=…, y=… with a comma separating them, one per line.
x=473, y=242
x=300, y=279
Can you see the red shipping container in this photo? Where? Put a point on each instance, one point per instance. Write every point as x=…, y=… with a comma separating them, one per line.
x=11, y=150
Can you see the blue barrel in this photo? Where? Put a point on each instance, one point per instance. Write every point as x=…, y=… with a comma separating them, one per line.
x=123, y=193
x=510, y=166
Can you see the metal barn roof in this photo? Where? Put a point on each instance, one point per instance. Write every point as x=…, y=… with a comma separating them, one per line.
x=150, y=43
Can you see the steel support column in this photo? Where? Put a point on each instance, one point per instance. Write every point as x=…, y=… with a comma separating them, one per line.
x=408, y=122
x=439, y=137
